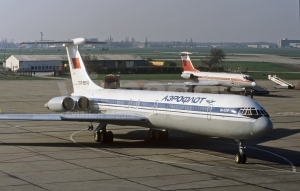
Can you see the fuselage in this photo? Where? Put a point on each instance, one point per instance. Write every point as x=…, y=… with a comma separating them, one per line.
x=223, y=79
x=229, y=116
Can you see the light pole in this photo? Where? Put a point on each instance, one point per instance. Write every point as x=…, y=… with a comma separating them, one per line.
x=20, y=49
x=4, y=53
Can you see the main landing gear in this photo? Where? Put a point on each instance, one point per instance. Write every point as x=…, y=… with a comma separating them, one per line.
x=246, y=93
x=228, y=89
x=191, y=89
x=240, y=158
x=103, y=136
x=158, y=134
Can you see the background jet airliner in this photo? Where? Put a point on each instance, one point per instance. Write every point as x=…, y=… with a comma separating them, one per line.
x=229, y=116
x=228, y=80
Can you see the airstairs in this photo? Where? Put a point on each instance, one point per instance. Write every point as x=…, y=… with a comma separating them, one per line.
x=281, y=84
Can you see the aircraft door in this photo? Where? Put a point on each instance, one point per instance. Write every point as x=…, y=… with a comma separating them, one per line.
x=155, y=107
x=209, y=109
x=129, y=103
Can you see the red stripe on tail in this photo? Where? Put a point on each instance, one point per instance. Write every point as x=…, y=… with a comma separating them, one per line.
x=76, y=63
x=188, y=66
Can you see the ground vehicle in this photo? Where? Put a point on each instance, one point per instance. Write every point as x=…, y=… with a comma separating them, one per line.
x=112, y=81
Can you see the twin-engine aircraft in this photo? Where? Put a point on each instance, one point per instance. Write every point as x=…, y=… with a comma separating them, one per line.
x=198, y=78
x=229, y=116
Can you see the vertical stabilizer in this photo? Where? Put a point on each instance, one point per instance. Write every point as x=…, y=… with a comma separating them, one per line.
x=187, y=64
x=80, y=79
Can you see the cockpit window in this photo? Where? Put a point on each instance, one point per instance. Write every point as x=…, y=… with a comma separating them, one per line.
x=253, y=113
x=249, y=78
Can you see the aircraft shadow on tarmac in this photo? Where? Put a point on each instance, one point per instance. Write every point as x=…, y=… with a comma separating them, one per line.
x=179, y=140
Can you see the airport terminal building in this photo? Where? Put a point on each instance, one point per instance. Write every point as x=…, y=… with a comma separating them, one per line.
x=283, y=43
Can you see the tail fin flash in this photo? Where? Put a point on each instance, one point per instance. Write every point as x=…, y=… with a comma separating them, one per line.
x=80, y=79
x=187, y=64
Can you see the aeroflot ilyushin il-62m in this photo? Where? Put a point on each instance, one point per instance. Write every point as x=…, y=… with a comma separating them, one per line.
x=229, y=116
x=212, y=78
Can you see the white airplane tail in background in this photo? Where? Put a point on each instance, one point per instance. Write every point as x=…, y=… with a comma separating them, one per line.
x=187, y=64
x=80, y=78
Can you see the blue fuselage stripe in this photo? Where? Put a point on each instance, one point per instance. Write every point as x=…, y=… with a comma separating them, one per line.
x=168, y=106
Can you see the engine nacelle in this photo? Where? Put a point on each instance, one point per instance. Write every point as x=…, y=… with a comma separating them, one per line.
x=81, y=103
x=62, y=103
x=187, y=76
x=66, y=103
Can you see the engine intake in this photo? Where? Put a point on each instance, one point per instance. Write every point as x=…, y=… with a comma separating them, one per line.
x=188, y=76
x=82, y=103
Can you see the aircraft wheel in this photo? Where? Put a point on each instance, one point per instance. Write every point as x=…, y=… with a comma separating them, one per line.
x=103, y=137
x=244, y=159
x=157, y=135
x=97, y=136
x=165, y=135
x=151, y=134
x=110, y=137
x=238, y=158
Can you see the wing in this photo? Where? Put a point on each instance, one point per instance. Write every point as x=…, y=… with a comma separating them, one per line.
x=118, y=118
x=201, y=83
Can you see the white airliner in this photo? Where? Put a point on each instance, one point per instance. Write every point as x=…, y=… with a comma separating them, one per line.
x=229, y=116
x=212, y=78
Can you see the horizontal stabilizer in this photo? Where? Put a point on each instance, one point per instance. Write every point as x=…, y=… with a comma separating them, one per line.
x=75, y=41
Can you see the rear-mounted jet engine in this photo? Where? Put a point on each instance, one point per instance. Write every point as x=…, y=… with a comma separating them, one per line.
x=66, y=103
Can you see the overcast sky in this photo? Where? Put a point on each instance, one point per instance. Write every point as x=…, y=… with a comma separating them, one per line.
x=158, y=20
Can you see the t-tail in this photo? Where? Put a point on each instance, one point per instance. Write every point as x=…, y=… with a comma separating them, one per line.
x=187, y=64
x=80, y=78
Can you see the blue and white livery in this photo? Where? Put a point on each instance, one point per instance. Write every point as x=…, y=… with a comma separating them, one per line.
x=229, y=116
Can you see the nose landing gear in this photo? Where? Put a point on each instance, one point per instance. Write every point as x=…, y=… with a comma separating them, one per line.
x=241, y=158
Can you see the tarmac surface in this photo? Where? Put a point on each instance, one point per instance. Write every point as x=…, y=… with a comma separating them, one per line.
x=63, y=155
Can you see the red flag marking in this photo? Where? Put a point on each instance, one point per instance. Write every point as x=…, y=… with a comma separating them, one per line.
x=76, y=63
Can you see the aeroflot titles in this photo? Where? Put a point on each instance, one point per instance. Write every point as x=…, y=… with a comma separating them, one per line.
x=183, y=99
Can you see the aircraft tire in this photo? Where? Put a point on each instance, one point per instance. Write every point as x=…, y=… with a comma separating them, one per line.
x=97, y=136
x=238, y=158
x=110, y=137
x=165, y=135
x=151, y=134
x=244, y=159
x=103, y=137
x=157, y=135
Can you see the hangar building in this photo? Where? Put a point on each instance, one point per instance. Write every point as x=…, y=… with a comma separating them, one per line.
x=35, y=63
x=47, y=63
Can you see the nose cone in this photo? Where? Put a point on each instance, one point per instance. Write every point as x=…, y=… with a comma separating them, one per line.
x=46, y=105
x=262, y=126
x=253, y=84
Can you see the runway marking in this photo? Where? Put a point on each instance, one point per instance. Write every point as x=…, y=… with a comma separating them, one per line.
x=288, y=113
x=292, y=165
x=23, y=157
x=190, y=164
x=98, y=150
